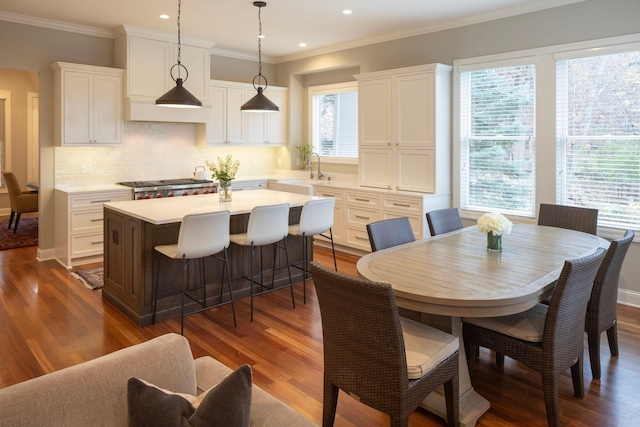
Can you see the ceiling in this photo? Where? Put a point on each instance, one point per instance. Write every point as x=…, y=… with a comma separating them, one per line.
x=232, y=25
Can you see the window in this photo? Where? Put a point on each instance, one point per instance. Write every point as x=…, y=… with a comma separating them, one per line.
x=598, y=136
x=5, y=132
x=497, y=137
x=334, y=119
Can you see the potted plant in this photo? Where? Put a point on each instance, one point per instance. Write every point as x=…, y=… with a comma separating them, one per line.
x=304, y=151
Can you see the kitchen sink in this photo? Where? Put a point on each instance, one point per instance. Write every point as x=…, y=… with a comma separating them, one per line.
x=298, y=186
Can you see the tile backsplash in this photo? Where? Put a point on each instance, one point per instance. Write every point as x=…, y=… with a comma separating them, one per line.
x=153, y=151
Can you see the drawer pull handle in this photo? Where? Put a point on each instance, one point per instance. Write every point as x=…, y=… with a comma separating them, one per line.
x=328, y=195
x=362, y=217
x=97, y=219
x=98, y=243
x=362, y=200
x=361, y=238
x=402, y=205
x=101, y=201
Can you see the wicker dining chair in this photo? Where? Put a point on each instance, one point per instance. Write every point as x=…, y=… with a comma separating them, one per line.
x=602, y=308
x=443, y=221
x=547, y=338
x=389, y=232
x=375, y=356
x=570, y=217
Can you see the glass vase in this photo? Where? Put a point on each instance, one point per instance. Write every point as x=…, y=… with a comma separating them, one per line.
x=224, y=191
x=494, y=242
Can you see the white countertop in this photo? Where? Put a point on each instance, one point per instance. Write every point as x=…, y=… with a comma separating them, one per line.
x=172, y=209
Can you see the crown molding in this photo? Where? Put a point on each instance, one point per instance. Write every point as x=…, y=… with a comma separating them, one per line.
x=55, y=25
x=241, y=55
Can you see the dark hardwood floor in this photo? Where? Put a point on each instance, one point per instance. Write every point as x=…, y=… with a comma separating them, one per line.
x=48, y=321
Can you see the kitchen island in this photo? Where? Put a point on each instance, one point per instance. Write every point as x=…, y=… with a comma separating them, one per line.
x=132, y=229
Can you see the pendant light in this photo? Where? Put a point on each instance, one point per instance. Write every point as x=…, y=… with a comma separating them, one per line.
x=179, y=96
x=260, y=103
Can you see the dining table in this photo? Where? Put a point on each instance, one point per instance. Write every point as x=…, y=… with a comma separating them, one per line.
x=454, y=275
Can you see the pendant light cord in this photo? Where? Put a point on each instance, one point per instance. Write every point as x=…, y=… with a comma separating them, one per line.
x=179, y=44
x=259, y=43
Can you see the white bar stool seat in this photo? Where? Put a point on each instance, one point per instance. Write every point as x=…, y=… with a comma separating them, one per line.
x=316, y=219
x=200, y=236
x=268, y=225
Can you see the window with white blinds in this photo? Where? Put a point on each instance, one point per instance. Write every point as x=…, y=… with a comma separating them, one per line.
x=497, y=137
x=598, y=136
x=334, y=119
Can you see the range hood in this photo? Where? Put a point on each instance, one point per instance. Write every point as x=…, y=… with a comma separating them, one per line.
x=147, y=56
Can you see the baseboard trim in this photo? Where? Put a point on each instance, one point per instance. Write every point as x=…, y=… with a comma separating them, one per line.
x=628, y=297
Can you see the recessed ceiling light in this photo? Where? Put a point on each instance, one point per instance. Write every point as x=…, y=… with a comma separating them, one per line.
x=164, y=16
x=347, y=12
x=302, y=45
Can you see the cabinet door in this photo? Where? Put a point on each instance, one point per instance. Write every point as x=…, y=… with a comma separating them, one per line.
x=415, y=170
x=376, y=168
x=217, y=123
x=107, y=109
x=415, y=111
x=374, y=103
x=274, y=123
x=235, y=117
x=254, y=128
x=78, y=108
x=196, y=60
x=149, y=65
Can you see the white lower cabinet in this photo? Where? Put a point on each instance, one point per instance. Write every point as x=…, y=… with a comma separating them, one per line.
x=338, y=211
x=355, y=208
x=79, y=225
x=362, y=209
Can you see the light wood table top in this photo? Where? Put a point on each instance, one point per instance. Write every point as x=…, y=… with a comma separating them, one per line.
x=453, y=274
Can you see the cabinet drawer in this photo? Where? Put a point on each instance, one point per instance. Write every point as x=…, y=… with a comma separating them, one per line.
x=362, y=199
x=86, y=221
x=358, y=238
x=89, y=244
x=404, y=204
x=328, y=192
x=362, y=216
x=96, y=200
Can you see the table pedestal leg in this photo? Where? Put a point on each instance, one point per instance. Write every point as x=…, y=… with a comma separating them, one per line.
x=472, y=405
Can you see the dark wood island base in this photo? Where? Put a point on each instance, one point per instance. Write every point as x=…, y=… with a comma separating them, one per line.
x=130, y=266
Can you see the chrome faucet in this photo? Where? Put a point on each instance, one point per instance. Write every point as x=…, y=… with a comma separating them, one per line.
x=320, y=174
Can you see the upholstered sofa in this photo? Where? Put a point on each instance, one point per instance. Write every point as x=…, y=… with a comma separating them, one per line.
x=94, y=393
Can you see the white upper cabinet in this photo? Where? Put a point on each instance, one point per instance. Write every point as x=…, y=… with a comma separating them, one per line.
x=147, y=57
x=88, y=105
x=225, y=120
x=266, y=128
x=405, y=129
x=227, y=124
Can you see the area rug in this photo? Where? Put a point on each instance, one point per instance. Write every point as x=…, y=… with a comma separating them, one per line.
x=91, y=278
x=27, y=234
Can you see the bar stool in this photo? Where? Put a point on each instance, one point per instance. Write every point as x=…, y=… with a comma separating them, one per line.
x=268, y=225
x=200, y=236
x=316, y=218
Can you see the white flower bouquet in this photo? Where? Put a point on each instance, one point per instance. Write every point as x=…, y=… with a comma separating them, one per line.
x=494, y=223
x=223, y=171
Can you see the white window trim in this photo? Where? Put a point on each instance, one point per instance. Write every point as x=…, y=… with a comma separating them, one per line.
x=323, y=90
x=546, y=58
x=6, y=95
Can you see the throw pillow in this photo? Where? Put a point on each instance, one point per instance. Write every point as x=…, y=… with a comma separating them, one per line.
x=226, y=404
